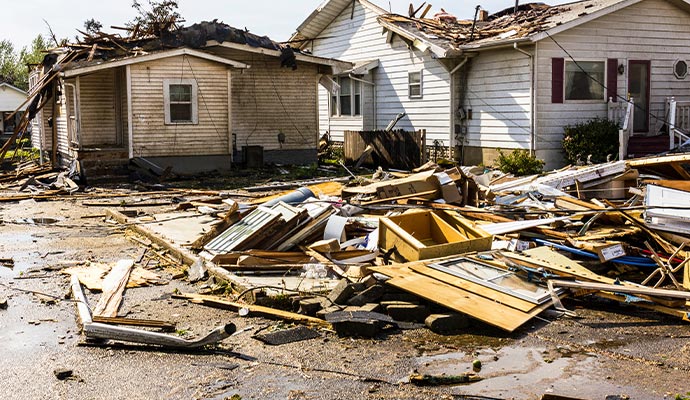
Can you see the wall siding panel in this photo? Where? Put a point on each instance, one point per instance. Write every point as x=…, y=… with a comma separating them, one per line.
x=151, y=136
x=97, y=101
x=362, y=38
x=652, y=30
x=498, y=93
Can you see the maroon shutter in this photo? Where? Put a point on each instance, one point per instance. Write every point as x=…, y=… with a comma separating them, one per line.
x=557, y=67
x=612, y=79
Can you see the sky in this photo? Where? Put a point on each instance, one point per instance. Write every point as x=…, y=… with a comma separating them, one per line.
x=23, y=20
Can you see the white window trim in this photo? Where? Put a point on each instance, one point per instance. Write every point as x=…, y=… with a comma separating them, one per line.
x=588, y=101
x=410, y=84
x=338, y=114
x=195, y=102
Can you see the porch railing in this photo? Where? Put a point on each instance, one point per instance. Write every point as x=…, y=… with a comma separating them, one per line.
x=623, y=113
x=678, y=123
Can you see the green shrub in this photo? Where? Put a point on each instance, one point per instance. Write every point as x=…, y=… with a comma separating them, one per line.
x=597, y=138
x=519, y=163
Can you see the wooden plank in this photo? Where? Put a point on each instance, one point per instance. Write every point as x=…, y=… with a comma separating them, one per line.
x=544, y=257
x=254, y=309
x=683, y=314
x=503, y=298
x=489, y=311
x=113, y=288
x=637, y=290
x=149, y=323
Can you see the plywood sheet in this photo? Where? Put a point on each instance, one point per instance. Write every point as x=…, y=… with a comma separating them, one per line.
x=454, y=298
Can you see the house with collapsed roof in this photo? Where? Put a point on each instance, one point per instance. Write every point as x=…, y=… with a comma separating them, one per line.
x=191, y=99
x=507, y=80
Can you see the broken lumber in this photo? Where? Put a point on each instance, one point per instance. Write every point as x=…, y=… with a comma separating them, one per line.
x=268, y=312
x=113, y=287
x=97, y=330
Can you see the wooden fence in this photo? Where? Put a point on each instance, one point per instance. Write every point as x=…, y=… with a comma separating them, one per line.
x=395, y=149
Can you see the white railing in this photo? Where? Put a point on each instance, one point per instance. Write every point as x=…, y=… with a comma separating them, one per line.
x=678, y=123
x=623, y=113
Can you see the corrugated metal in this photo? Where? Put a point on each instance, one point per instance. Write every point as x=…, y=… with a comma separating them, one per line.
x=240, y=232
x=151, y=137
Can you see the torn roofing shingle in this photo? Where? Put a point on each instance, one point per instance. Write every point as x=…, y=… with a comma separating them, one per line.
x=531, y=18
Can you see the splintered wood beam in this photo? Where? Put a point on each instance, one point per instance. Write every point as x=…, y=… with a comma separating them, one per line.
x=268, y=312
x=113, y=288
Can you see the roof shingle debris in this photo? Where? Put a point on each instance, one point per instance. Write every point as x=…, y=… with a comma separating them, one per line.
x=530, y=18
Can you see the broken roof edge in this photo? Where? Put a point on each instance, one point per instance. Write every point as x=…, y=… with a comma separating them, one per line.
x=319, y=14
x=76, y=71
x=437, y=50
x=337, y=65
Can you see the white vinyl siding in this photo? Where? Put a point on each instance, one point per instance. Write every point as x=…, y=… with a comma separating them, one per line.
x=97, y=104
x=498, y=93
x=362, y=38
x=652, y=30
x=151, y=136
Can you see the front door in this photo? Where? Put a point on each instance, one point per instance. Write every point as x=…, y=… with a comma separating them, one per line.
x=638, y=88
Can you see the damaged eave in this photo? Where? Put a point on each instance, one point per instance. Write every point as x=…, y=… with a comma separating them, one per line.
x=151, y=57
x=418, y=42
x=494, y=45
x=337, y=66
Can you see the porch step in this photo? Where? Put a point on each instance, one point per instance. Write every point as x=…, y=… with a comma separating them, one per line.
x=640, y=146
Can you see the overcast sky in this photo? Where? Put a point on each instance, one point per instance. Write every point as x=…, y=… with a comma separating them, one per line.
x=22, y=20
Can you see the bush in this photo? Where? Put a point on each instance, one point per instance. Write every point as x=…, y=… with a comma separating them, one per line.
x=519, y=163
x=597, y=138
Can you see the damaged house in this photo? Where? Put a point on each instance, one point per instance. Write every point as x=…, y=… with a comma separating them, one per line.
x=194, y=99
x=509, y=80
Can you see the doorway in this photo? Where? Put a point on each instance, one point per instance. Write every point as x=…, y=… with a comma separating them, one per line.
x=638, y=88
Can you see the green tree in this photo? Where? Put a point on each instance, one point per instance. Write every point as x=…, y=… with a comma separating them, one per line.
x=8, y=62
x=28, y=56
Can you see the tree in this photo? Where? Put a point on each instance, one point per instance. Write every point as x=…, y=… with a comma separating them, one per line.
x=34, y=55
x=8, y=62
x=160, y=15
x=92, y=26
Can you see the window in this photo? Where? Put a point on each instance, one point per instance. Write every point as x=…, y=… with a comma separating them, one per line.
x=415, y=84
x=584, y=80
x=348, y=101
x=680, y=69
x=180, y=101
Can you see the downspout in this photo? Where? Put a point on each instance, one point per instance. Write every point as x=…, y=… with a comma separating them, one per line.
x=452, y=102
x=533, y=115
x=373, y=85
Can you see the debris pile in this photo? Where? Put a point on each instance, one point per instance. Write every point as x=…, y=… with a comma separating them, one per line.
x=442, y=248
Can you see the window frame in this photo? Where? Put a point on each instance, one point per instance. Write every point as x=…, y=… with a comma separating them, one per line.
x=194, y=101
x=420, y=84
x=335, y=105
x=603, y=80
x=687, y=69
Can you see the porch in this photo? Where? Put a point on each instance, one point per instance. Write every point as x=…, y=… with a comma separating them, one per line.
x=673, y=134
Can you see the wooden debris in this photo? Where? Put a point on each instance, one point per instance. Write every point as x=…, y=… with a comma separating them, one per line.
x=113, y=288
x=268, y=312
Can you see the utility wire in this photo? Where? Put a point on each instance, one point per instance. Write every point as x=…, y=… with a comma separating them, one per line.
x=595, y=80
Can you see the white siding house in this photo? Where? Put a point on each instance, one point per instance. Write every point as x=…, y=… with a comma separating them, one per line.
x=351, y=32
x=515, y=79
x=10, y=99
